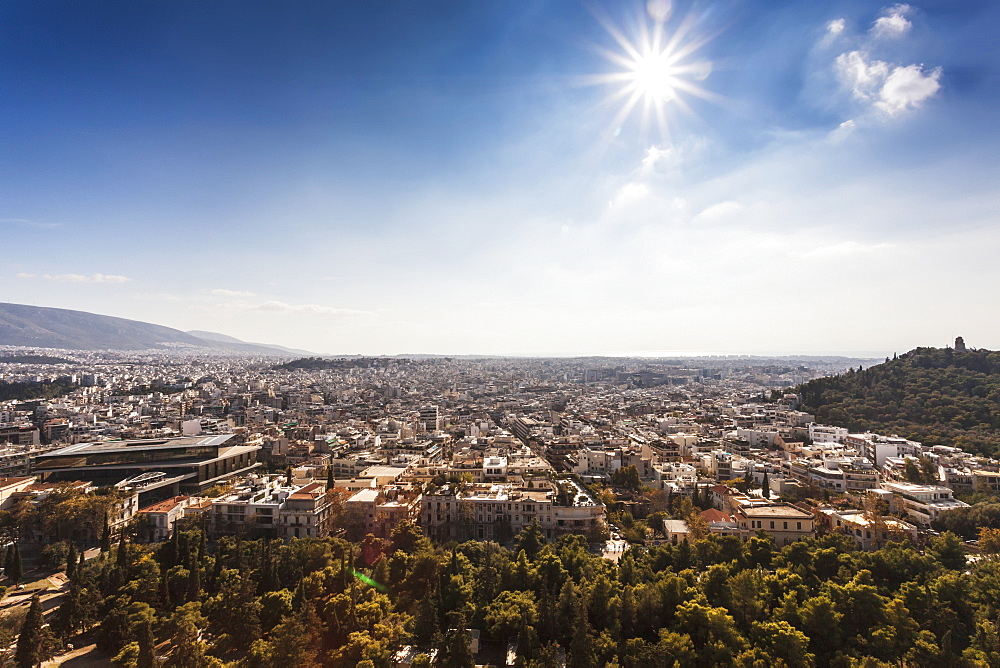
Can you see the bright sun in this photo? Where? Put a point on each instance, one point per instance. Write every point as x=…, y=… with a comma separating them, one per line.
x=653, y=77
x=656, y=69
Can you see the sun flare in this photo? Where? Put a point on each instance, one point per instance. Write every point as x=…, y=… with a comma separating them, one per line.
x=658, y=69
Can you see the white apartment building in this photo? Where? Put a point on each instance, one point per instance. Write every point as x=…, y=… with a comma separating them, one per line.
x=924, y=503
x=876, y=447
x=821, y=433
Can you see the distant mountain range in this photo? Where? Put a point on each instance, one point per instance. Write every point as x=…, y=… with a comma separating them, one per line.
x=42, y=327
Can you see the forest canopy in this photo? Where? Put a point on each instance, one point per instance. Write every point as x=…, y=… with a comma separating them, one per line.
x=938, y=396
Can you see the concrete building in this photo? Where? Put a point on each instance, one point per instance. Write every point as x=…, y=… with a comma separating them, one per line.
x=924, y=503
x=785, y=523
x=499, y=511
x=187, y=464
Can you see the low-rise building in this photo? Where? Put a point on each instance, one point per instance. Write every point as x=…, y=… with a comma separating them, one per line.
x=786, y=523
x=498, y=511
x=924, y=503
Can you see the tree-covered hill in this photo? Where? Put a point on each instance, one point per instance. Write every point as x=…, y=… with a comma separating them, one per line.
x=933, y=395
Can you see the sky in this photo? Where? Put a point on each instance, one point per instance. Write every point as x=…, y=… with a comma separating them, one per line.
x=540, y=177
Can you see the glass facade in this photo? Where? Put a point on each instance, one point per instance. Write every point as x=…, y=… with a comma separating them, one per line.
x=126, y=457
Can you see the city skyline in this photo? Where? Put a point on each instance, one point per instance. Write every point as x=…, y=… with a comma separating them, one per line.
x=543, y=179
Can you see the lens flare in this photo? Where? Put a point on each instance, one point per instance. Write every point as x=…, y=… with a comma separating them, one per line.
x=367, y=580
x=658, y=67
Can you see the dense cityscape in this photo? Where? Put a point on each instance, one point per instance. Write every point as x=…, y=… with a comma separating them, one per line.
x=630, y=455
x=457, y=334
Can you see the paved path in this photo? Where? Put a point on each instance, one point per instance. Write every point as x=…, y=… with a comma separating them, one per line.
x=614, y=549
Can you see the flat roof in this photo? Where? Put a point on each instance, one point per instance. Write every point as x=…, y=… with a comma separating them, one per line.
x=775, y=511
x=365, y=496
x=143, y=444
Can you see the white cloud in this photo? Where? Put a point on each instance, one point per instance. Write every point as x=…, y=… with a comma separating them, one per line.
x=842, y=249
x=836, y=26
x=628, y=193
x=844, y=130
x=893, y=22
x=863, y=77
x=273, y=306
x=719, y=213
x=907, y=88
x=654, y=155
x=78, y=278
x=222, y=292
x=890, y=88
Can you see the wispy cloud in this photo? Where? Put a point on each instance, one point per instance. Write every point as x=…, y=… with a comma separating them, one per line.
x=842, y=249
x=722, y=212
x=222, y=292
x=27, y=222
x=273, y=306
x=630, y=192
x=77, y=278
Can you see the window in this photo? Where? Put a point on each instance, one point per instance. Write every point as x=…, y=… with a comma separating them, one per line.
x=772, y=525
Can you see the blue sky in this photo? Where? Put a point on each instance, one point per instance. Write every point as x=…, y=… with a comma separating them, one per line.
x=461, y=177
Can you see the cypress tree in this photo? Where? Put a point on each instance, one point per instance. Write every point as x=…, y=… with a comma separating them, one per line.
x=15, y=568
x=34, y=643
x=71, y=561
x=766, y=486
x=194, y=580
x=288, y=476
x=330, y=483
x=106, y=536
x=147, y=645
x=122, y=561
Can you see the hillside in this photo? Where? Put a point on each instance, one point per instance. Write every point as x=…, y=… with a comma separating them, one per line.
x=934, y=395
x=42, y=327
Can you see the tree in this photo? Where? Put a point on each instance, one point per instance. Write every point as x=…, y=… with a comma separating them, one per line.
x=147, y=645
x=531, y=539
x=989, y=542
x=71, y=561
x=457, y=648
x=14, y=568
x=235, y=611
x=765, y=486
x=35, y=643
x=288, y=476
x=509, y=612
x=330, y=482
x=627, y=477
x=948, y=551
x=106, y=536
x=297, y=641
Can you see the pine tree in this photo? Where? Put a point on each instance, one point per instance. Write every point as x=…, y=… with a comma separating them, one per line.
x=34, y=644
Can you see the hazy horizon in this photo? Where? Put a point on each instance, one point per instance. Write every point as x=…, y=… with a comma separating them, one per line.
x=465, y=177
